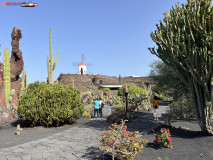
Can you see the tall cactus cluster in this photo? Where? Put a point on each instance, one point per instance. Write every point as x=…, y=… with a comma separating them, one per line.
x=50, y=65
x=147, y=102
x=185, y=42
x=6, y=71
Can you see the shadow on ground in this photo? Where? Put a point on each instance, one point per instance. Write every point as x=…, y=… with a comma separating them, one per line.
x=182, y=133
x=142, y=122
x=94, y=153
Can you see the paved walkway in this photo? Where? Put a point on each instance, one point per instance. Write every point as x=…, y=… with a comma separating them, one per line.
x=80, y=141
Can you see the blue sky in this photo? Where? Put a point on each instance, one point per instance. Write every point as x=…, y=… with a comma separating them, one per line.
x=113, y=34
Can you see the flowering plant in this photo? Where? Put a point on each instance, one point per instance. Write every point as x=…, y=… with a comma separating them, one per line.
x=164, y=139
x=121, y=143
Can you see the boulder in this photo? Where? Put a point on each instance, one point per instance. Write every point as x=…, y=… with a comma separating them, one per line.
x=5, y=115
x=117, y=116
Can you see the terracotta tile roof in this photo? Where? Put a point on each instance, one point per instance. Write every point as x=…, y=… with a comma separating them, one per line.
x=82, y=64
x=98, y=76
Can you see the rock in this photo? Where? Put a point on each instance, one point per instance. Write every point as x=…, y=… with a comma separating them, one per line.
x=85, y=99
x=117, y=116
x=5, y=116
x=16, y=68
x=16, y=60
x=14, y=110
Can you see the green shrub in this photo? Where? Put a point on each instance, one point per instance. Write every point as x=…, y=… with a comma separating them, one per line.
x=133, y=89
x=182, y=108
x=119, y=106
x=137, y=96
x=89, y=107
x=106, y=89
x=50, y=105
x=116, y=101
x=87, y=114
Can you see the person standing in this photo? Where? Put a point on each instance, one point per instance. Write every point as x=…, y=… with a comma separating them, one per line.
x=110, y=102
x=101, y=107
x=155, y=106
x=96, y=107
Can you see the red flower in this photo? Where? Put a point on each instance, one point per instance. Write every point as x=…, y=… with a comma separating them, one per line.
x=169, y=139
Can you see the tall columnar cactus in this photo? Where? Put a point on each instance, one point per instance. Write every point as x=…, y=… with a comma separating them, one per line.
x=6, y=71
x=185, y=42
x=23, y=81
x=50, y=65
x=147, y=101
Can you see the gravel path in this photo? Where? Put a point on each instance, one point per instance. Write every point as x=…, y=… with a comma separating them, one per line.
x=79, y=141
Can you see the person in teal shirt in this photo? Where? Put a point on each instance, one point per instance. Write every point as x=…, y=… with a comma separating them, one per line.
x=96, y=108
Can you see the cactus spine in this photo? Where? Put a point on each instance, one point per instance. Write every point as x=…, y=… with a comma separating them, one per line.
x=50, y=65
x=6, y=68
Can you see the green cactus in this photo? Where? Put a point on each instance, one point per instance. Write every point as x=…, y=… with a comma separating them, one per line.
x=6, y=68
x=50, y=65
x=23, y=81
x=148, y=90
x=185, y=43
x=56, y=82
x=12, y=92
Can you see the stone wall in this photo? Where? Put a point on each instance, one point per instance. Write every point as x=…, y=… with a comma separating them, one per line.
x=136, y=80
x=84, y=81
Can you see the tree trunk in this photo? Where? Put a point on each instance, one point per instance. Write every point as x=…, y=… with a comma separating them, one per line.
x=203, y=107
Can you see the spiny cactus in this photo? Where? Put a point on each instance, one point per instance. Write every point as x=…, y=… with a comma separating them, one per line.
x=50, y=65
x=185, y=43
x=23, y=81
x=12, y=92
x=6, y=68
x=147, y=102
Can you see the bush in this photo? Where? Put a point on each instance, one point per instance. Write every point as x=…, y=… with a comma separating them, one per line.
x=137, y=96
x=87, y=114
x=119, y=106
x=116, y=101
x=106, y=89
x=133, y=89
x=50, y=105
x=121, y=143
x=89, y=107
x=164, y=139
x=182, y=108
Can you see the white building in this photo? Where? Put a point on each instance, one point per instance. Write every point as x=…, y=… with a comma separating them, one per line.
x=82, y=68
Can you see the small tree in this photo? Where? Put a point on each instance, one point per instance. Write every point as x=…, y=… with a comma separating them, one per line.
x=164, y=79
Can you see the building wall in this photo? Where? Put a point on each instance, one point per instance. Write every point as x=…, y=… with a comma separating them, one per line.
x=84, y=69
